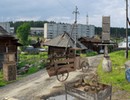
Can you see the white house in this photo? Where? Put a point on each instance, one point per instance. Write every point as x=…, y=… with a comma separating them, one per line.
x=123, y=43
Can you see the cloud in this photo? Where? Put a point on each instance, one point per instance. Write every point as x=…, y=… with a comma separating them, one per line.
x=20, y=18
x=61, y=10
x=63, y=19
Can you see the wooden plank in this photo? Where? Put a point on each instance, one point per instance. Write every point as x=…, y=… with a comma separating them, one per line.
x=64, y=61
x=66, y=66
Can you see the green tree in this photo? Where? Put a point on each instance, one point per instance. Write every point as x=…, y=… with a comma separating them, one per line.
x=23, y=33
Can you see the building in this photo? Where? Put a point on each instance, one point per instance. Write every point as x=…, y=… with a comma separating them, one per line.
x=12, y=30
x=6, y=26
x=33, y=30
x=37, y=31
x=123, y=43
x=51, y=30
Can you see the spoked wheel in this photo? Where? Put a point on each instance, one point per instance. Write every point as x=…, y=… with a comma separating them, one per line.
x=62, y=75
x=84, y=66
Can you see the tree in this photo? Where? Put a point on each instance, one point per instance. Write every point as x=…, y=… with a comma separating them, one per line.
x=23, y=32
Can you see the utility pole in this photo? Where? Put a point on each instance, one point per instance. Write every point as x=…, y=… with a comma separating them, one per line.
x=76, y=12
x=126, y=29
x=87, y=29
x=87, y=19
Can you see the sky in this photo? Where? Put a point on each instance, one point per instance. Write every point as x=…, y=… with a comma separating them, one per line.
x=61, y=11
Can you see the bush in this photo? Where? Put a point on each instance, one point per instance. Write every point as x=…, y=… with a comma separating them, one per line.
x=91, y=53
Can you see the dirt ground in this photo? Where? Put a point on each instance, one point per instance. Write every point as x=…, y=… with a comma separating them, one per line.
x=39, y=85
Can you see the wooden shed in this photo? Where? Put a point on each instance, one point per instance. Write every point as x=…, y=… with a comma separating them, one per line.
x=91, y=43
x=8, y=53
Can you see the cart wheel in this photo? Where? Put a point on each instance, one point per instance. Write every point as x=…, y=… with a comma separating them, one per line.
x=84, y=66
x=62, y=76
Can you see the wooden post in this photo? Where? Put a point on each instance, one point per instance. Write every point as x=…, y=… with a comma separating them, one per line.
x=126, y=29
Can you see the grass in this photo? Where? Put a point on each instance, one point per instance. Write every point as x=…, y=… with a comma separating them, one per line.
x=2, y=82
x=37, y=61
x=117, y=76
x=88, y=54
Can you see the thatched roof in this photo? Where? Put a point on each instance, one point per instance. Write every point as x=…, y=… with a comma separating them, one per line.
x=64, y=40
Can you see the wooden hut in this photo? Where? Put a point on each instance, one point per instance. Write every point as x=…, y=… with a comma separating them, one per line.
x=8, y=53
x=63, y=44
x=91, y=43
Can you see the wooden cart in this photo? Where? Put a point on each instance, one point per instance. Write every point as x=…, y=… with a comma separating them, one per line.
x=61, y=66
x=63, y=56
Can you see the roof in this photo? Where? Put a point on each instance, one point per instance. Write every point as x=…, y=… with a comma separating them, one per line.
x=5, y=35
x=92, y=39
x=3, y=31
x=64, y=40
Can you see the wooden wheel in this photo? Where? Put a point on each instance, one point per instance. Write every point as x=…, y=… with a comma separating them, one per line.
x=84, y=66
x=62, y=75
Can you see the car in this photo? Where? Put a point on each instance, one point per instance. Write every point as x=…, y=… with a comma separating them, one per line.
x=101, y=51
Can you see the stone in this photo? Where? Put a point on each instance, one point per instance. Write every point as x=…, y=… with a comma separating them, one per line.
x=106, y=64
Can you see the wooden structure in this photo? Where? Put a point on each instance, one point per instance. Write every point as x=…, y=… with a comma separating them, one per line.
x=91, y=43
x=63, y=57
x=8, y=53
x=9, y=66
x=83, y=91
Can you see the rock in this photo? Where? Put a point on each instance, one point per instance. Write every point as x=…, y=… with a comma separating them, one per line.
x=106, y=64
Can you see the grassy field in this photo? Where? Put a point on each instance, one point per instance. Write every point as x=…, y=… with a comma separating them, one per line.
x=117, y=76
